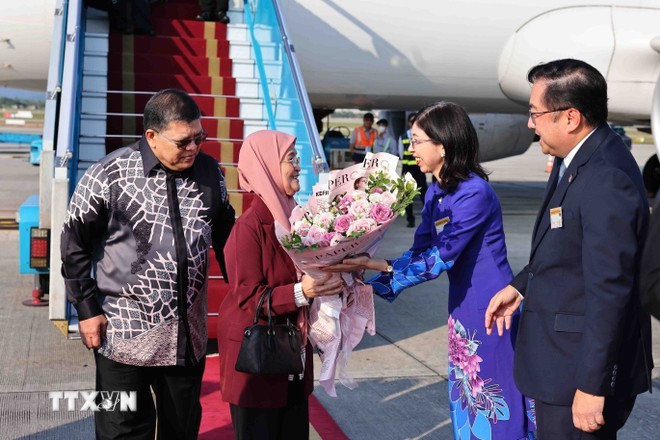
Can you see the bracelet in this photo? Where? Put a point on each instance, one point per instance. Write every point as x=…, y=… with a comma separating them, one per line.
x=300, y=298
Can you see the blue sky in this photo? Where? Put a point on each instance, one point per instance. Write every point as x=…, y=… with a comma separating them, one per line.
x=6, y=92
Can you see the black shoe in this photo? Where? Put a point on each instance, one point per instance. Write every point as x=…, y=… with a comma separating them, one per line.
x=223, y=18
x=411, y=224
x=205, y=16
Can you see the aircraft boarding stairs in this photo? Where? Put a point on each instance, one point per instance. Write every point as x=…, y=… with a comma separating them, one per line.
x=211, y=61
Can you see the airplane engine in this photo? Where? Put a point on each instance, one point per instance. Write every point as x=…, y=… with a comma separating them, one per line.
x=618, y=41
x=501, y=135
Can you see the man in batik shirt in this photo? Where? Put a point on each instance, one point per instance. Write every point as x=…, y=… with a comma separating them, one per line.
x=135, y=255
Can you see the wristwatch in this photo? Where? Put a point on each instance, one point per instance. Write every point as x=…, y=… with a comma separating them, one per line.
x=390, y=268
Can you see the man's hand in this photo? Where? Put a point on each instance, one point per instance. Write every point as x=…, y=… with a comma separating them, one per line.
x=92, y=331
x=500, y=309
x=588, y=411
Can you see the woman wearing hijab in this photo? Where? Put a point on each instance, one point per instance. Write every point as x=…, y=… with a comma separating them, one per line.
x=461, y=233
x=269, y=406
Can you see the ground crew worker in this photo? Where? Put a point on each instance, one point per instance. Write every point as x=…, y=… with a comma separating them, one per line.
x=363, y=138
x=384, y=142
x=409, y=165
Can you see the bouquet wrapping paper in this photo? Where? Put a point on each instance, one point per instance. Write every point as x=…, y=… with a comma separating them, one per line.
x=348, y=214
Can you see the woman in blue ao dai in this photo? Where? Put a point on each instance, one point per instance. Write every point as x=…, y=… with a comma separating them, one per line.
x=461, y=233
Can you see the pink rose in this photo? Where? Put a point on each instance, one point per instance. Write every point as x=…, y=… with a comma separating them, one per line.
x=376, y=190
x=301, y=228
x=380, y=213
x=316, y=233
x=324, y=220
x=361, y=226
x=345, y=203
x=308, y=241
x=327, y=239
x=360, y=209
x=343, y=222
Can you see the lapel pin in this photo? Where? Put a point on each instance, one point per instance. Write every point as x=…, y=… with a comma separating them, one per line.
x=570, y=178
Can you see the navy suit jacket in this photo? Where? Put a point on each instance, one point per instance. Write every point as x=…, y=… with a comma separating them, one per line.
x=582, y=325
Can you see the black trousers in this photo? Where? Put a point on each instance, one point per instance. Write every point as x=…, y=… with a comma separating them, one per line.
x=420, y=178
x=288, y=423
x=213, y=6
x=555, y=422
x=140, y=15
x=176, y=391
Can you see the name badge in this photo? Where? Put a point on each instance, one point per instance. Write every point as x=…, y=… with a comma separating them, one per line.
x=440, y=224
x=555, y=218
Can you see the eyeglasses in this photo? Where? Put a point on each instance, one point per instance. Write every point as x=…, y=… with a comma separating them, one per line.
x=534, y=115
x=415, y=142
x=185, y=143
x=295, y=161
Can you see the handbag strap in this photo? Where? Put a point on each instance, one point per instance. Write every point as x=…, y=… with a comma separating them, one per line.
x=267, y=293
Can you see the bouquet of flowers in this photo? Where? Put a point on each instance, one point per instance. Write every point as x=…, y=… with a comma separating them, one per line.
x=348, y=214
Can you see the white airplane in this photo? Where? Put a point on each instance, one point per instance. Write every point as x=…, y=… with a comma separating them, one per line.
x=26, y=30
x=401, y=55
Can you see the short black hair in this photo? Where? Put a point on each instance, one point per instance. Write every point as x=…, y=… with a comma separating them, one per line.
x=573, y=84
x=368, y=116
x=448, y=124
x=167, y=106
x=411, y=118
x=382, y=122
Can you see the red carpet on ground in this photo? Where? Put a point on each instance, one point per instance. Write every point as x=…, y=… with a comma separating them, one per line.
x=216, y=421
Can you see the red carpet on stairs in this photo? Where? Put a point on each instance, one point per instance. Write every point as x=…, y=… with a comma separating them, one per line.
x=216, y=421
x=185, y=54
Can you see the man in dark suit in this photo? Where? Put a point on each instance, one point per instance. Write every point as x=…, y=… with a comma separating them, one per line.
x=583, y=350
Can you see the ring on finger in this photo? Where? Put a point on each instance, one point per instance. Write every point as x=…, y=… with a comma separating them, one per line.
x=592, y=423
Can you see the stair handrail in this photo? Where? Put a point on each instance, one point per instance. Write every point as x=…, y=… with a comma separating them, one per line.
x=259, y=63
x=319, y=161
x=71, y=92
x=65, y=149
x=52, y=103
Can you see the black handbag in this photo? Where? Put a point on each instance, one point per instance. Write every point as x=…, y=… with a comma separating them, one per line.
x=271, y=348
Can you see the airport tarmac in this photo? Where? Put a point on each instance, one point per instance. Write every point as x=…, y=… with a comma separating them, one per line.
x=401, y=371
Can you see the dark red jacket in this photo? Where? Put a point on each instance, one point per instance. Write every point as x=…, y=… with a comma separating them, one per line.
x=255, y=260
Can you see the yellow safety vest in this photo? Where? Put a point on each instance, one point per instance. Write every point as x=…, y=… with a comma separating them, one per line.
x=408, y=158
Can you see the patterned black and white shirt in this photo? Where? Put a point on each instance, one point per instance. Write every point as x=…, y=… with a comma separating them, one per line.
x=135, y=245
